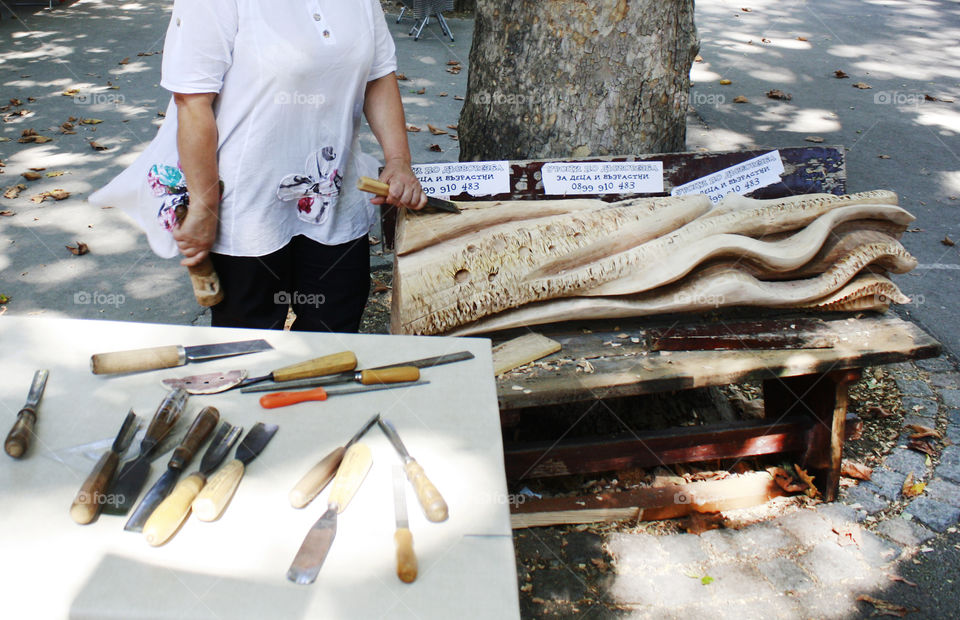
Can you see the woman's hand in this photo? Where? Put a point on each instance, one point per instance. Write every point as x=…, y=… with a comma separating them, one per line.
x=196, y=234
x=405, y=190
x=197, y=146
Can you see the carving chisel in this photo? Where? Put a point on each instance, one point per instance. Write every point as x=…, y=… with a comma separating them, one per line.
x=171, y=512
x=320, y=474
x=429, y=497
x=316, y=545
x=211, y=501
x=133, y=475
x=282, y=399
x=90, y=498
x=198, y=432
x=406, y=558
x=379, y=188
x=170, y=356
x=18, y=440
x=346, y=377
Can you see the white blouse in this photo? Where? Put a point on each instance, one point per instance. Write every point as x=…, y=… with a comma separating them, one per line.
x=291, y=76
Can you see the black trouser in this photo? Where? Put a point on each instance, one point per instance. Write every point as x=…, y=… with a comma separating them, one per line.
x=327, y=285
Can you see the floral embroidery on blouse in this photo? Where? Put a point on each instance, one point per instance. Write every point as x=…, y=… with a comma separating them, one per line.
x=317, y=190
x=168, y=183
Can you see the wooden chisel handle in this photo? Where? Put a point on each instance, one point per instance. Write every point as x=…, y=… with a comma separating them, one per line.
x=373, y=186
x=353, y=469
x=172, y=510
x=397, y=374
x=429, y=497
x=18, y=440
x=282, y=399
x=326, y=365
x=217, y=493
x=406, y=558
x=138, y=359
x=206, y=283
x=89, y=500
x=316, y=479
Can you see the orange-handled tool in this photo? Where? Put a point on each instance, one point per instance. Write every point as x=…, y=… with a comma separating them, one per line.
x=282, y=399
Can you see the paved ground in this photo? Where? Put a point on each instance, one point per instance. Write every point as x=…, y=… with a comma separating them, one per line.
x=790, y=567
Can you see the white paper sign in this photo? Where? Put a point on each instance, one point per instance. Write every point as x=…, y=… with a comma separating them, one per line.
x=477, y=178
x=740, y=179
x=622, y=177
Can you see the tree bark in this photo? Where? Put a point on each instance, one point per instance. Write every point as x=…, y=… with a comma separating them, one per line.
x=574, y=78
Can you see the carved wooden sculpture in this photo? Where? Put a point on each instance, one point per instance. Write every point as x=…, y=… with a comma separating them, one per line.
x=506, y=264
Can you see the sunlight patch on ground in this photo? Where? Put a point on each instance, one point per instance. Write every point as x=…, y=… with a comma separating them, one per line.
x=947, y=120
x=813, y=120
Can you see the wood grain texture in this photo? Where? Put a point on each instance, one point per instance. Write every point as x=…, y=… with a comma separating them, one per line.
x=522, y=350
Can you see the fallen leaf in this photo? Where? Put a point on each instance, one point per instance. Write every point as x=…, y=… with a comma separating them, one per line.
x=90, y=121
x=947, y=240
x=740, y=99
x=861, y=85
x=13, y=192
x=601, y=564
x=453, y=127
x=7, y=213
x=4, y=299
x=855, y=470
x=413, y=128
x=435, y=148
x=54, y=173
x=725, y=82
x=922, y=432
x=442, y=94
x=919, y=445
x=839, y=74
x=56, y=194
x=706, y=580
x=96, y=146
x=80, y=249
x=878, y=412
x=67, y=128
x=947, y=99
x=380, y=287
x=435, y=130
x=801, y=38
x=458, y=97
x=71, y=92
x=746, y=10
x=816, y=139
x=453, y=62
x=883, y=156
x=454, y=70
x=776, y=93
x=31, y=176
x=910, y=488
x=698, y=58
x=401, y=77
x=785, y=481
x=454, y=137
x=902, y=580
x=764, y=40
x=31, y=99
x=124, y=61
x=811, y=490
x=421, y=91
x=699, y=522
x=929, y=98
x=884, y=608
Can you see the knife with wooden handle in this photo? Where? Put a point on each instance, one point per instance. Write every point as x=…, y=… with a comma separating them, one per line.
x=169, y=356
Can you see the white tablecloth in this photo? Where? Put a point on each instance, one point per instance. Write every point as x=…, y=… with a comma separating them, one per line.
x=235, y=567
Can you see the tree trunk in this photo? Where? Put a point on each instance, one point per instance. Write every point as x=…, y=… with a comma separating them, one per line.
x=573, y=78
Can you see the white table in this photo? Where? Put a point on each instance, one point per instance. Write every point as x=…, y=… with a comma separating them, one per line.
x=235, y=567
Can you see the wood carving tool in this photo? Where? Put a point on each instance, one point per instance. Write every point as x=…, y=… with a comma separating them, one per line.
x=134, y=473
x=171, y=512
x=18, y=440
x=316, y=545
x=406, y=558
x=198, y=432
x=429, y=497
x=211, y=501
x=346, y=377
x=203, y=276
x=371, y=376
x=170, y=356
x=216, y=382
x=379, y=188
x=282, y=399
x=320, y=474
x=86, y=505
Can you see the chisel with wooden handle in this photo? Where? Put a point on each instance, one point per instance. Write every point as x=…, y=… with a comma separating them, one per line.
x=203, y=276
x=429, y=497
x=406, y=558
x=379, y=188
x=320, y=474
x=18, y=440
x=86, y=505
x=316, y=545
x=282, y=399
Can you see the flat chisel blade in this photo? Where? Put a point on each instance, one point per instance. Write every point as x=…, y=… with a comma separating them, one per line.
x=314, y=549
x=203, y=352
x=157, y=493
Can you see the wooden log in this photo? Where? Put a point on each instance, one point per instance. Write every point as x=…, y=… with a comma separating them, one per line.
x=522, y=350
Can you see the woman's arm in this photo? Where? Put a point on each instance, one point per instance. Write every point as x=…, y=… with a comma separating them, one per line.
x=384, y=112
x=197, y=147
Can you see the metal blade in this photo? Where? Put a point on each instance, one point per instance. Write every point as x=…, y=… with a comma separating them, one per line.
x=361, y=432
x=223, y=439
x=126, y=487
x=36, y=389
x=314, y=549
x=255, y=441
x=375, y=387
x=225, y=349
x=209, y=383
x=157, y=493
x=400, y=499
x=442, y=205
x=394, y=438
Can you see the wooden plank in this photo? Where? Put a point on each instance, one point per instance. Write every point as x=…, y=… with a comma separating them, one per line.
x=523, y=350
x=647, y=504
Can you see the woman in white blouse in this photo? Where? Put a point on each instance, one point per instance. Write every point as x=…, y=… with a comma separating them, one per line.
x=269, y=97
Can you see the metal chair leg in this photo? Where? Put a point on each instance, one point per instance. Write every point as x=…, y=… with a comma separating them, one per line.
x=402, y=9
x=425, y=21
x=444, y=26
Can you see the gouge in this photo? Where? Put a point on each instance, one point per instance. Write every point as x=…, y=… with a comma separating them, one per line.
x=429, y=497
x=379, y=188
x=19, y=438
x=282, y=399
x=86, y=505
x=320, y=474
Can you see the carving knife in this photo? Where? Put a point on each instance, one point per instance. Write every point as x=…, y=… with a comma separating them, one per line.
x=379, y=188
x=406, y=558
x=216, y=382
x=320, y=474
x=429, y=497
x=282, y=399
x=198, y=432
x=346, y=377
x=316, y=545
x=18, y=440
x=171, y=512
x=90, y=498
x=211, y=501
x=134, y=473
x=170, y=356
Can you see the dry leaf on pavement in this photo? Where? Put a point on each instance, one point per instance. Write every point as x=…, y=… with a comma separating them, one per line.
x=31, y=176
x=776, y=93
x=90, y=121
x=811, y=490
x=740, y=99
x=884, y=608
x=79, y=250
x=947, y=240
x=815, y=139
x=855, y=470
x=56, y=194
x=839, y=74
x=920, y=431
x=435, y=148
x=699, y=522
x=902, y=580
x=13, y=192
x=412, y=128
x=910, y=488
x=435, y=130
x=96, y=146
x=861, y=85
x=923, y=446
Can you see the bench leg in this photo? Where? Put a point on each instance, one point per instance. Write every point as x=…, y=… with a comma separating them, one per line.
x=824, y=398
